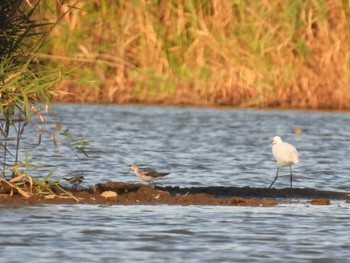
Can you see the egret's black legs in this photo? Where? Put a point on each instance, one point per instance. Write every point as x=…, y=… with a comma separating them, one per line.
x=275, y=178
x=291, y=177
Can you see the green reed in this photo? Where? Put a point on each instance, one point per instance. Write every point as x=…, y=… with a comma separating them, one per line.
x=26, y=88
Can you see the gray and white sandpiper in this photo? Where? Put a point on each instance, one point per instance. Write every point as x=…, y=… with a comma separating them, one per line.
x=75, y=181
x=146, y=174
x=285, y=155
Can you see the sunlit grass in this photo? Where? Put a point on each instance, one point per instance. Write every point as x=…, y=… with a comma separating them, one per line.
x=247, y=53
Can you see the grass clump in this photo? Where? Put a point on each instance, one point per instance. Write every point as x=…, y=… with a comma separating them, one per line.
x=26, y=89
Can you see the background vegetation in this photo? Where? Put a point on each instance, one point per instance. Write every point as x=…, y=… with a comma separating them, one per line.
x=270, y=53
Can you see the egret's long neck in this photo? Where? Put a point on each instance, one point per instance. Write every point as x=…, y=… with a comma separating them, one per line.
x=278, y=141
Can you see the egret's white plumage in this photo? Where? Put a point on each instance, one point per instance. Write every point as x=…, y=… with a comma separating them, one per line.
x=285, y=155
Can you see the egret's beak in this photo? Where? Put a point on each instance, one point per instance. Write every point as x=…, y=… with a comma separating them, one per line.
x=271, y=141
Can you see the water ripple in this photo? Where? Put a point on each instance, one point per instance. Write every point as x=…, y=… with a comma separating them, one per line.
x=200, y=147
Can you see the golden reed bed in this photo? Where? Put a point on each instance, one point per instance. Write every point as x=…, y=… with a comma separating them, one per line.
x=292, y=54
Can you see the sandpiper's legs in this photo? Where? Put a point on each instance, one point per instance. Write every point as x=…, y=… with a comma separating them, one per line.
x=275, y=178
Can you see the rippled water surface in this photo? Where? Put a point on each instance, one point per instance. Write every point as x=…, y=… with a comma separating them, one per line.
x=292, y=233
x=200, y=147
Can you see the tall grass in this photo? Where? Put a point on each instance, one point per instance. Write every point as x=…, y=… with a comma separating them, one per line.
x=241, y=53
x=22, y=84
x=26, y=88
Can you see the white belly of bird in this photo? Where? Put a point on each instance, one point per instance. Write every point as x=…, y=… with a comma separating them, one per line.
x=146, y=178
x=285, y=154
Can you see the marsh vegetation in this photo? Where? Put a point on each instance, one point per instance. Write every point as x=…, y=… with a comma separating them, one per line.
x=292, y=54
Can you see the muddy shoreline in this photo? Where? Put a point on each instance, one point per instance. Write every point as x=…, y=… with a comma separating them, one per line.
x=119, y=193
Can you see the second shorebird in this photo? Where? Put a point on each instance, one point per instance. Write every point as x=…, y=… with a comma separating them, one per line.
x=75, y=181
x=146, y=174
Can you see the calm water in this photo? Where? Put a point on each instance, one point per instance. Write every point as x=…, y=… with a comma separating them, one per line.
x=200, y=147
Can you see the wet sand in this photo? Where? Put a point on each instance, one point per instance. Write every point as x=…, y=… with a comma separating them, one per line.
x=119, y=193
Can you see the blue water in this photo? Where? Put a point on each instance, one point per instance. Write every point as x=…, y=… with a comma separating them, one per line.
x=200, y=147
x=84, y=233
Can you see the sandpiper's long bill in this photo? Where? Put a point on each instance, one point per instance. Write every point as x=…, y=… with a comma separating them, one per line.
x=146, y=174
x=75, y=181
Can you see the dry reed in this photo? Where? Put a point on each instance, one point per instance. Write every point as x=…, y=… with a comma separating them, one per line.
x=270, y=53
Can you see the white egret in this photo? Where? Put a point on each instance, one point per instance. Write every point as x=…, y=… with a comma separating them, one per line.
x=285, y=155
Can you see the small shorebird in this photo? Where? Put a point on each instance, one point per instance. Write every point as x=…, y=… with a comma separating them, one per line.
x=146, y=174
x=75, y=181
x=285, y=155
